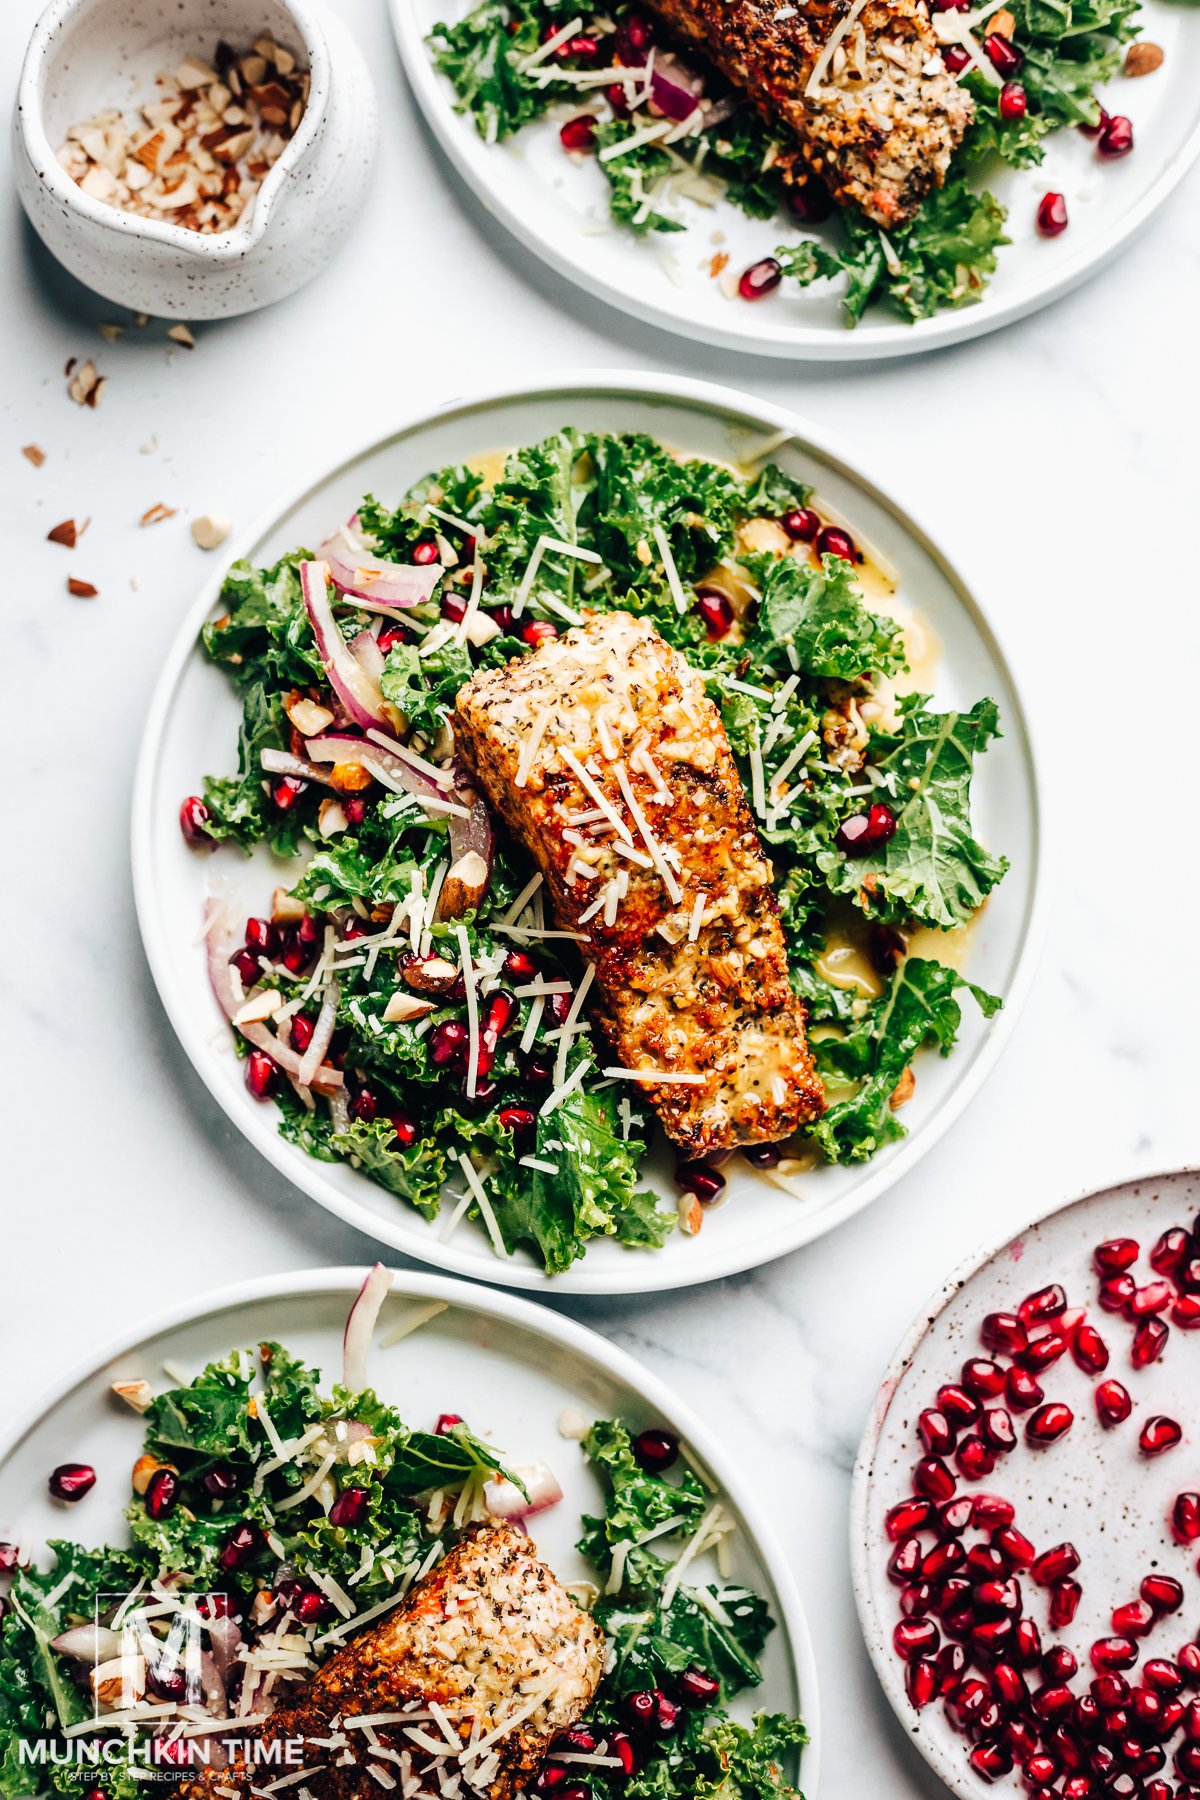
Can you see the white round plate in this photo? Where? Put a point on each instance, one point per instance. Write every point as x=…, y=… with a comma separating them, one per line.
x=557, y=206
x=1092, y=1488
x=506, y=1365
x=192, y=729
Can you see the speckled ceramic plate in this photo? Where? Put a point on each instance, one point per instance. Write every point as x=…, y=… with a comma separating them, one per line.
x=1092, y=1488
x=193, y=725
x=506, y=1365
x=558, y=207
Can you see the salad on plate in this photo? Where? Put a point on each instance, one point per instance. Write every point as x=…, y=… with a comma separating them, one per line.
x=317, y=1596
x=604, y=806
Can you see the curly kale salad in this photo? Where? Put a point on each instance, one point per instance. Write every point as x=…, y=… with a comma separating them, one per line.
x=670, y=137
x=404, y=999
x=270, y=1522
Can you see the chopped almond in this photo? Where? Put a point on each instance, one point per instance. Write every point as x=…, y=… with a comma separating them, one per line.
x=64, y=533
x=182, y=335
x=1143, y=58
x=83, y=382
x=903, y=1089
x=153, y=515
x=83, y=590
x=33, y=453
x=209, y=530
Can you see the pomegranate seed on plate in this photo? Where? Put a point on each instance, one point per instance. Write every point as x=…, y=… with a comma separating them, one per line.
x=992, y=1511
x=1042, y=1351
x=762, y=1156
x=973, y=1457
x=697, y=1178
x=260, y=1074
x=1116, y=1255
x=865, y=831
x=1027, y=1644
x=697, y=1688
x=714, y=608
x=1116, y=1291
x=655, y=1449
x=942, y=1560
x=1064, y=1603
x=906, y=1560
x=954, y=56
x=350, y=1507
x=579, y=134
x=955, y=1515
x=907, y=1517
x=1059, y=1664
x=287, y=791
x=71, y=1481
x=446, y=1423
x=448, y=1043
x=959, y=1406
x=1053, y=1565
x=1014, y=1547
x=538, y=631
x=426, y=551
x=1114, y=1653
x=935, y=1432
x=1155, y=1297
x=194, y=820
x=162, y=1493
x=404, y=1130
x=1185, y=1517
x=801, y=524
x=1009, y=1686
x=1053, y=1700
x=1004, y=57
x=1089, y=1350
x=1048, y=1423
x=833, y=541
x=760, y=278
x=1170, y=1251
x=921, y=1681
x=1133, y=1619
x=1047, y=1303
x=1113, y=1403
x=1165, y=1678
x=1023, y=1389
x=1158, y=1434
x=240, y=1545
x=983, y=1378
x=1003, y=1332
x=1186, y=1312
x=1014, y=102
x=997, y=1429
x=951, y=1660
x=987, y=1563
x=915, y=1637
x=1149, y=1342
x=1116, y=137
x=1187, y=1761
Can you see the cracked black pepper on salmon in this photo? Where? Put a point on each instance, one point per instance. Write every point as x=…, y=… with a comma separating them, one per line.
x=607, y=759
x=877, y=118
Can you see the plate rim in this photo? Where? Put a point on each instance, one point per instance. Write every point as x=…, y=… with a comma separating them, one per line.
x=530, y=1317
x=651, y=1276
x=924, y=1320
x=880, y=343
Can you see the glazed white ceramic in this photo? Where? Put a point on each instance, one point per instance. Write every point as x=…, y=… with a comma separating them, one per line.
x=86, y=55
x=557, y=206
x=508, y=1367
x=1093, y=1488
x=192, y=728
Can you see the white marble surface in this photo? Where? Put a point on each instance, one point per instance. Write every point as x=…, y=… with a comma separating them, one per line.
x=1060, y=460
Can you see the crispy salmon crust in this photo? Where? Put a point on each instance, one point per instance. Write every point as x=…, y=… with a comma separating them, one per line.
x=487, y=1631
x=886, y=116
x=665, y=880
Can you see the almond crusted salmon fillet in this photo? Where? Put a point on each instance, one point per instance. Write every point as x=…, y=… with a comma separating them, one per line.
x=607, y=760
x=878, y=120
x=472, y=1677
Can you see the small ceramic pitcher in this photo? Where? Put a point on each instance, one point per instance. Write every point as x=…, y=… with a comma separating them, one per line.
x=88, y=55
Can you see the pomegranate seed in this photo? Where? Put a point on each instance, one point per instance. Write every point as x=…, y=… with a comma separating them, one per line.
x=1051, y=215
x=425, y=551
x=1165, y=1678
x=966, y=1701
x=1048, y=1423
x=698, y=1688
x=520, y=966
x=1116, y=1291
x=578, y=1739
x=1023, y=1389
x=955, y=1516
x=833, y=541
x=1090, y=1351
x=364, y=1106
x=446, y=1423
x=921, y=1681
x=760, y=278
x=987, y=1563
x=1149, y=1342
x=1188, y=1275
x=906, y=1560
x=942, y=1560
x=655, y=1449
x=1009, y=1686
x=951, y=1660
x=220, y=1482
x=635, y=34
x=706, y=1183
x=1054, y=1565
x=954, y=56
x=983, y=1378
x=916, y=1602
x=247, y=967
x=9, y=1557
x=350, y=1507
x=260, y=1074
x=1115, y=1255
x=974, y=1459
x=863, y=832
x=1027, y=1644
x=991, y=1511
x=404, y=1130
x=287, y=791
x=194, y=821
x=620, y=1746
x=579, y=134
x=998, y=1596
x=240, y=1545
x=1003, y=1332
x=666, y=1714
x=1014, y=102
x=1046, y=1303
x=311, y=1607
x=997, y=1429
x=992, y=1762
x=935, y=1432
x=1014, y=1546
x=355, y=810
x=762, y=1156
x=1020, y=1736
x=1052, y=1701
x=162, y=1493
x=1059, y=1664
x=1155, y=1297
x=1113, y=1403
x=1159, y=1434
x=1064, y=1603
x=1077, y=1787
x=959, y=1407
x=1186, y=1312
x=538, y=631
x=454, y=608
x=1187, y=1658
x=520, y=1120
x=990, y=1638
x=1116, y=137
x=1170, y=1251
x=907, y=1517
x=1185, y=1518
x=1114, y=1653
x=1004, y=57
x=1042, y=1351
x=1187, y=1761
x=714, y=608
x=1110, y=1691
x=71, y=1481
x=1040, y=1771
x=448, y=1043
x=801, y=524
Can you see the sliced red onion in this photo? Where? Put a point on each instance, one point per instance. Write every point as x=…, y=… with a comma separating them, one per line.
x=472, y=836
x=504, y=1499
x=222, y=941
x=225, y=1640
x=675, y=91
x=356, y=690
x=282, y=762
x=212, y=1686
x=358, y=570
x=319, y=1043
x=88, y=1643
x=367, y=654
x=339, y=1111
x=360, y=1327
x=340, y=746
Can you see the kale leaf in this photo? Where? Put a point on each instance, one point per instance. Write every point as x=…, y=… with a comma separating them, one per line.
x=813, y=620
